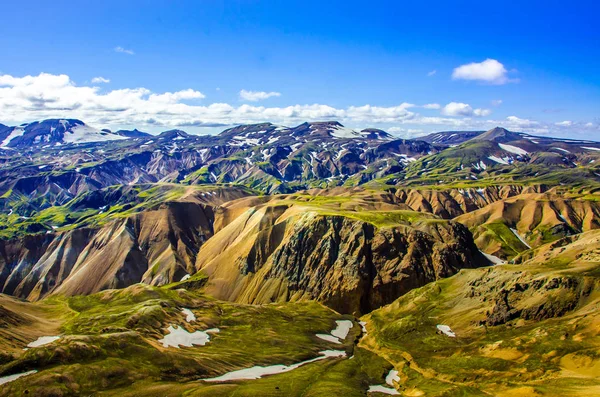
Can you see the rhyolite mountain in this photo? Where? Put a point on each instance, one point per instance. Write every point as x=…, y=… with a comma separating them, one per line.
x=470, y=259
x=272, y=159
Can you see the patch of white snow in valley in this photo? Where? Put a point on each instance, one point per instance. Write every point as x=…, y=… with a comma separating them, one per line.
x=516, y=233
x=10, y=378
x=178, y=336
x=591, y=148
x=258, y=372
x=513, y=149
x=383, y=389
x=363, y=326
x=498, y=160
x=187, y=276
x=391, y=377
x=389, y=380
x=339, y=333
x=561, y=149
x=43, y=340
x=329, y=338
x=494, y=259
x=342, y=329
x=446, y=330
x=190, y=316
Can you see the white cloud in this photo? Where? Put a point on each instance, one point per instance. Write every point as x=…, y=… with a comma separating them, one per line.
x=516, y=122
x=489, y=71
x=175, y=97
x=124, y=50
x=100, y=80
x=432, y=106
x=482, y=112
x=496, y=102
x=254, y=96
x=463, y=109
x=432, y=73
x=566, y=123
x=28, y=98
x=405, y=132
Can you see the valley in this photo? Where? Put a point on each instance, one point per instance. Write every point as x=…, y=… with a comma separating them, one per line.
x=297, y=261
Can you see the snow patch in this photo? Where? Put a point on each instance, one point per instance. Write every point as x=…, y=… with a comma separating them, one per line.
x=343, y=132
x=389, y=380
x=18, y=131
x=513, y=149
x=446, y=330
x=84, y=134
x=498, y=160
x=383, y=389
x=43, y=340
x=516, y=233
x=591, y=148
x=10, y=378
x=339, y=333
x=187, y=276
x=178, y=336
x=189, y=315
x=363, y=326
x=494, y=259
x=258, y=372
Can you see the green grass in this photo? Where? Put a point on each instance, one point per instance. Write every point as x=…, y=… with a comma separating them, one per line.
x=459, y=365
x=76, y=213
x=109, y=343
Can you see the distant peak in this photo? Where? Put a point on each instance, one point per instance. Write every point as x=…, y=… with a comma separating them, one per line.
x=325, y=124
x=498, y=134
x=173, y=134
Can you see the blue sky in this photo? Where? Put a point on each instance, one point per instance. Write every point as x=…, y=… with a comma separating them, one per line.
x=319, y=60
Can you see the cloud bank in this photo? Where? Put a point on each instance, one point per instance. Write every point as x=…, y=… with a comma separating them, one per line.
x=29, y=98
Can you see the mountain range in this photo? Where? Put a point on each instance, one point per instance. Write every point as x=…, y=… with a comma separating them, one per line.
x=327, y=259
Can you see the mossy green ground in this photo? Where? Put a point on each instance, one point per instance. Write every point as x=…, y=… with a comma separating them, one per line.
x=110, y=344
x=487, y=360
x=76, y=213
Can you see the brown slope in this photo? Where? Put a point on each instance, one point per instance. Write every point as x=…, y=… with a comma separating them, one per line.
x=449, y=203
x=538, y=219
x=22, y=322
x=287, y=251
x=155, y=247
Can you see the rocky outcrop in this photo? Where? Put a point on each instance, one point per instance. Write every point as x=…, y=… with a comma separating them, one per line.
x=280, y=253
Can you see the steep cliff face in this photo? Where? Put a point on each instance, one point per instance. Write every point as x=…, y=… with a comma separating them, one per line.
x=280, y=253
x=155, y=247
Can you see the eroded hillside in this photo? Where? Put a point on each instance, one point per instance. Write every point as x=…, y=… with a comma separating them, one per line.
x=526, y=329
